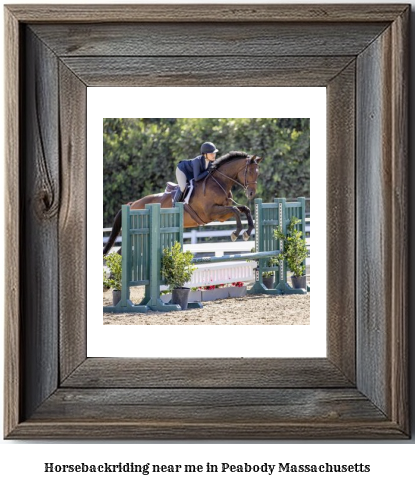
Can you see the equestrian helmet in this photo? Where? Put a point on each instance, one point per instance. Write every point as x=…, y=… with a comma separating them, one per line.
x=208, y=147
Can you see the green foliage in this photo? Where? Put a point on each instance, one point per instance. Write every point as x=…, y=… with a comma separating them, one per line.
x=141, y=155
x=295, y=248
x=114, y=263
x=176, y=266
x=270, y=262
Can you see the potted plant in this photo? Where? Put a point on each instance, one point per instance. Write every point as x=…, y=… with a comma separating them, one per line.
x=177, y=269
x=268, y=279
x=268, y=276
x=295, y=252
x=195, y=295
x=113, y=281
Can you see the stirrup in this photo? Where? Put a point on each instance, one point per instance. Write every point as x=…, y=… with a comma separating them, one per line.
x=177, y=197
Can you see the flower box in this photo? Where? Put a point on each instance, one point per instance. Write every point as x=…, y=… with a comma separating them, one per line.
x=215, y=294
x=195, y=296
x=209, y=295
x=236, y=291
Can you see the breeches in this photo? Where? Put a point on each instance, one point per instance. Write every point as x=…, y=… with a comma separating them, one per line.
x=181, y=179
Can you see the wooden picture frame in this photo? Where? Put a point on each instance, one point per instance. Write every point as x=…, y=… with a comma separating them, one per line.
x=360, y=53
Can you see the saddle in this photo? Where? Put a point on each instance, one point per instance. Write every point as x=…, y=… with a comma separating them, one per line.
x=172, y=188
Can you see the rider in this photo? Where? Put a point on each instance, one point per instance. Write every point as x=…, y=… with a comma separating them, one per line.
x=196, y=168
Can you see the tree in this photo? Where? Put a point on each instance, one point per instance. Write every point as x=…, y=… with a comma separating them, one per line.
x=141, y=155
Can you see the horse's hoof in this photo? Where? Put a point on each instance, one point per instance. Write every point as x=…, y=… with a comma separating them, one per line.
x=234, y=236
x=245, y=236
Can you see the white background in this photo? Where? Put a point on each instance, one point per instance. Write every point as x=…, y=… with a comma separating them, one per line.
x=21, y=463
x=218, y=341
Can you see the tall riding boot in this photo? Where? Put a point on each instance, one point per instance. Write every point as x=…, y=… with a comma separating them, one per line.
x=177, y=197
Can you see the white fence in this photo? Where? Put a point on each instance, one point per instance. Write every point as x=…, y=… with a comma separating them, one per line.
x=200, y=233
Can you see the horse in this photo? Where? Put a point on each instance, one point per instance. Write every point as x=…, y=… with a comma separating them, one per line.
x=211, y=198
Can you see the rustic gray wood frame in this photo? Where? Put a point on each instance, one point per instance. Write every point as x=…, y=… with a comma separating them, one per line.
x=359, y=52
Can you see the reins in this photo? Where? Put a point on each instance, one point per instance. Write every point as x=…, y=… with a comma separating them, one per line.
x=245, y=186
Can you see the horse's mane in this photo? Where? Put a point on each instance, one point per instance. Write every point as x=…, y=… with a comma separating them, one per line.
x=229, y=157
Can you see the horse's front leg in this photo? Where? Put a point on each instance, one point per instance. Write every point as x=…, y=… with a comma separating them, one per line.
x=247, y=212
x=223, y=213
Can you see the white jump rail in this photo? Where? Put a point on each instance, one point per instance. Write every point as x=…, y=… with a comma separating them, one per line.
x=221, y=248
x=221, y=273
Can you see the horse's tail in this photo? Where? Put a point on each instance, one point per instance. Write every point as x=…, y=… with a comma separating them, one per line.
x=116, y=227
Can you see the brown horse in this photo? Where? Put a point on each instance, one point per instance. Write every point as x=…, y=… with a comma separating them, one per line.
x=211, y=198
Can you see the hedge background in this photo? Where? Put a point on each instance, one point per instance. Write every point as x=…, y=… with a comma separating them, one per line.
x=141, y=155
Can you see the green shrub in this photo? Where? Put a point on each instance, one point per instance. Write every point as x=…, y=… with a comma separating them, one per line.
x=270, y=262
x=176, y=266
x=114, y=263
x=295, y=247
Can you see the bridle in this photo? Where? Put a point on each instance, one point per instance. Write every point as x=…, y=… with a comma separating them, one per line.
x=244, y=186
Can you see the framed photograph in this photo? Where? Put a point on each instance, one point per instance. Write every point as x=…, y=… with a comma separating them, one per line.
x=359, y=389
x=140, y=155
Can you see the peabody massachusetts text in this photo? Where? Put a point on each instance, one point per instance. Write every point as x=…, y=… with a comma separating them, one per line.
x=263, y=468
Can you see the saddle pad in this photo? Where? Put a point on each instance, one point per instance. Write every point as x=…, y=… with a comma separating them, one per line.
x=190, y=191
x=171, y=187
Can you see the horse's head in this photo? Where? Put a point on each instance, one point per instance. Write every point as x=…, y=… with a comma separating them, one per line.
x=248, y=176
